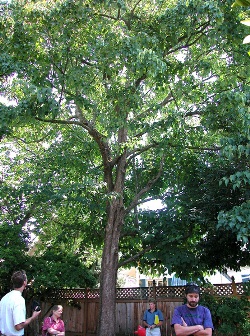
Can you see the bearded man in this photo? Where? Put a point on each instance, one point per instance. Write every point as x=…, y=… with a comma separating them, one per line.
x=192, y=318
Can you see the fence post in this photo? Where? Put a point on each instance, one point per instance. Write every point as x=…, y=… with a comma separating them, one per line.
x=85, y=313
x=154, y=290
x=234, y=286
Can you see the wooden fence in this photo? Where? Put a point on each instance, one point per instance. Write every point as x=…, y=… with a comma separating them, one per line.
x=81, y=306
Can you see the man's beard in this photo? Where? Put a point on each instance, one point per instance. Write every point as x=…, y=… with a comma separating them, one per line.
x=193, y=304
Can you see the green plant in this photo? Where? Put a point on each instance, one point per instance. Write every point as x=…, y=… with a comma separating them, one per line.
x=230, y=314
x=246, y=287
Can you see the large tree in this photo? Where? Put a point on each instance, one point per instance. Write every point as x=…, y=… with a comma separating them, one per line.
x=120, y=102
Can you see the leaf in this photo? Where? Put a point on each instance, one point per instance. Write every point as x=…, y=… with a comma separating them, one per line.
x=100, y=95
x=241, y=3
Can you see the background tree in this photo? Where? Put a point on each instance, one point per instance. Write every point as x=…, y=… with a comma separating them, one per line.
x=117, y=103
x=244, y=3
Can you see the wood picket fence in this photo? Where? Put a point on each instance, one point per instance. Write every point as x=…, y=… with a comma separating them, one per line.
x=81, y=307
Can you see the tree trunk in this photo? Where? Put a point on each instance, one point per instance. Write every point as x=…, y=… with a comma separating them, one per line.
x=107, y=312
x=115, y=220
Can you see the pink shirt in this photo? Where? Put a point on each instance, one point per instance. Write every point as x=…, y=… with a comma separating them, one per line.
x=49, y=322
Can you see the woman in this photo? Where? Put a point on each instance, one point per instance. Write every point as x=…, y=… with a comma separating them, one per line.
x=53, y=324
x=153, y=319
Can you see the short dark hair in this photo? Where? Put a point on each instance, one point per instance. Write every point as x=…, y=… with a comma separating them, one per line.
x=192, y=287
x=18, y=279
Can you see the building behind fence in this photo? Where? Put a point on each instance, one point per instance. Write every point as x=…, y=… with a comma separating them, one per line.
x=81, y=306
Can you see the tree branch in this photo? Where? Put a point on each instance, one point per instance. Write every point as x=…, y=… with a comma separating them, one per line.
x=27, y=216
x=161, y=104
x=135, y=257
x=132, y=154
x=149, y=199
x=197, y=35
x=146, y=188
x=139, y=80
x=136, y=4
x=98, y=137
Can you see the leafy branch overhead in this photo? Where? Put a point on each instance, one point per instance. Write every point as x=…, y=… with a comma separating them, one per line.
x=243, y=3
x=110, y=105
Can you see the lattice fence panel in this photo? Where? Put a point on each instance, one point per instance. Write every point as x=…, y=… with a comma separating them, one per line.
x=93, y=293
x=144, y=293
x=170, y=292
x=67, y=294
x=135, y=293
x=220, y=290
x=240, y=288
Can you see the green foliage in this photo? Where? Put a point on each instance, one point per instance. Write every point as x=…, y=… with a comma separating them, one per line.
x=244, y=3
x=229, y=314
x=193, y=240
x=56, y=270
x=125, y=101
x=113, y=104
x=237, y=220
x=53, y=269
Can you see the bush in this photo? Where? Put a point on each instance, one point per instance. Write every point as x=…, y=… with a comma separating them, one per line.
x=230, y=314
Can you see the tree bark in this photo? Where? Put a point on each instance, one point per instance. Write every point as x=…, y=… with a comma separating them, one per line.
x=115, y=220
x=107, y=313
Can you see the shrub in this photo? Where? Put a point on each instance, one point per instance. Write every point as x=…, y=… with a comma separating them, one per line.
x=230, y=314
